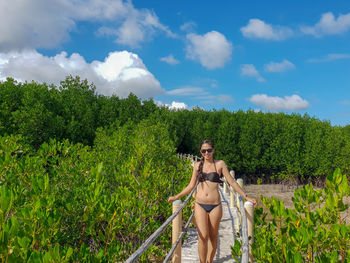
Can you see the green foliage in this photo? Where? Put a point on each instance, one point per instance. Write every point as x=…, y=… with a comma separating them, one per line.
x=311, y=232
x=71, y=111
x=236, y=250
x=256, y=145
x=268, y=146
x=70, y=202
x=85, y=177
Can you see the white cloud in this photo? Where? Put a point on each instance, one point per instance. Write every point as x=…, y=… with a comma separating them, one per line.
x=188, y=26
x=137, y=27
x=279, y=66
x=225, y=98
x=329, y=57
x=257, y=28
x=188, y=91
x=214, y=99
x=328, y=25
x=130, y=33
x=175, y=105
x=120, y=73
x=170, y=60
x=294, y=102
x=249, y=70
x=38, y=23
x=45, y=24
x=201, y=95
x=212, y=49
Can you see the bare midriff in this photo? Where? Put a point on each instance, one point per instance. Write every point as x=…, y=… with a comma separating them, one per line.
x=208, y=193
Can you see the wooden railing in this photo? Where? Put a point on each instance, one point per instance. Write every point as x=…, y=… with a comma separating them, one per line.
x=157, y=233
x=245, y=222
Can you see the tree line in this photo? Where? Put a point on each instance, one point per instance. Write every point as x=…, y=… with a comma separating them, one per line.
x=257, y=145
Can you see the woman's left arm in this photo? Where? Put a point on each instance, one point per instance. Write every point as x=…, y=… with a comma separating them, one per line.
x=234, y=184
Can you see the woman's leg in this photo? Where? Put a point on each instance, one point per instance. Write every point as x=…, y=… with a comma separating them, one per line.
x=213, y=224
x=203, y=232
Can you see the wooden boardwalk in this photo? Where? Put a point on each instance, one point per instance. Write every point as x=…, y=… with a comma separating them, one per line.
x=189, y=252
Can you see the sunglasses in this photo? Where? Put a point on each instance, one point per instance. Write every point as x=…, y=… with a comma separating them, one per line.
x=207, y=150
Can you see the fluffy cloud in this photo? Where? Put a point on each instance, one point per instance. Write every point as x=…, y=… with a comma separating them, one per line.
x=137, y=27
x=257, y=28
x=329, y=57
x=249, y=70
x=170, y=60
x=38, y=23
x=45, y=24
x=279, y=66
x=328, y=25
x=212, y=49
x=120, y=73
x=293, y=102
x=175, y=105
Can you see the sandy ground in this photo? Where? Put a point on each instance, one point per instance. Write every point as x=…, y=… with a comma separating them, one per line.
x=284, y=193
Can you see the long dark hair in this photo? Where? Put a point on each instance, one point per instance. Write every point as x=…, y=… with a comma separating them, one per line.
x=200, y=167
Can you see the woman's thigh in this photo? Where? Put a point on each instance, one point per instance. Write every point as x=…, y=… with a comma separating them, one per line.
x=201, y=221
x=214, y=221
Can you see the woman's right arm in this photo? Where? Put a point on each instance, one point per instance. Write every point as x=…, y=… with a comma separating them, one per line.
x=189, y=187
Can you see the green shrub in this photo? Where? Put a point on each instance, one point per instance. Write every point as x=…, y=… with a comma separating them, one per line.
x=311, y=232
x=70, y=202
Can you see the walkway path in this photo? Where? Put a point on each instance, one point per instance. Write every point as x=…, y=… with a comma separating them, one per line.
x=226, y=236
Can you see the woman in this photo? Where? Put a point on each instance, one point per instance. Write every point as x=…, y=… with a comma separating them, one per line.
x=208, y=210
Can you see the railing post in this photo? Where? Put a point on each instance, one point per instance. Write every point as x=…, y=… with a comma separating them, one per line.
x=226, y=186
x=232, y=200
x=239, y=221
x=232, y=196
x=249, y=209
x=240, y=182
x=177, y=228
x=245, y=241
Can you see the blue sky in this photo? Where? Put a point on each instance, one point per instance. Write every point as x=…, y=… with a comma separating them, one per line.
x=268, y=56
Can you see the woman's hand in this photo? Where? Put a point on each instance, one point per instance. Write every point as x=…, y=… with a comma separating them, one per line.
x=171, y=199
x=251, y=200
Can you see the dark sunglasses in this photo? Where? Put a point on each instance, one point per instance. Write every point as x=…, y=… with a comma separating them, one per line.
x=207, y=150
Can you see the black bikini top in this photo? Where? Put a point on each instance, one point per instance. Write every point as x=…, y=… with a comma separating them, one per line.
x=212, y=177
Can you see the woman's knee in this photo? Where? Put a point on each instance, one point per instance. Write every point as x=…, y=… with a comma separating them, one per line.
x=213, y=240
x=203, y=237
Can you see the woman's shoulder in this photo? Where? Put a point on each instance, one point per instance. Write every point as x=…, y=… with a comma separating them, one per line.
x=219, y=162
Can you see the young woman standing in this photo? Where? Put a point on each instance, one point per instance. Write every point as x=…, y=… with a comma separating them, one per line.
x=208, y=210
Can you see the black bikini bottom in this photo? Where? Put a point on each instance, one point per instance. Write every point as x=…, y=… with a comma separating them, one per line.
x=208, y=208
